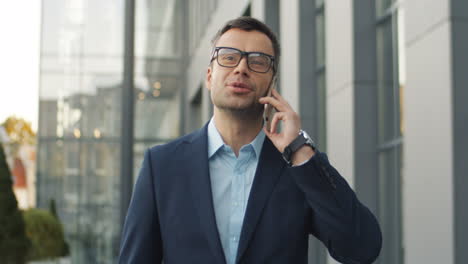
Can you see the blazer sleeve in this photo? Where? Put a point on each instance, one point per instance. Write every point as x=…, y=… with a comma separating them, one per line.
x=141, y=236
x=347, y=227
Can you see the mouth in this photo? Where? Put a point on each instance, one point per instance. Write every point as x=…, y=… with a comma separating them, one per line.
x=239, y=87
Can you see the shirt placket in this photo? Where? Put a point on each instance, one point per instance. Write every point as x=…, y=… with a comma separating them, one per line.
x=237, y=205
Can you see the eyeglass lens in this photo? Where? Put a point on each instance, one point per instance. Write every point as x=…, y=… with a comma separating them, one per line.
x=256, y=61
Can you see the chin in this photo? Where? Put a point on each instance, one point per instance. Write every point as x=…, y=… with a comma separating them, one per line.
x=251, y=110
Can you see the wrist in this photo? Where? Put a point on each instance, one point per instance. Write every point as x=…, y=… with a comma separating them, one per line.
x=302, y=155
x=295, y=153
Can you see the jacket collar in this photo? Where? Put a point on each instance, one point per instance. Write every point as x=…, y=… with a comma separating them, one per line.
x=198, y=169
x=269, y=169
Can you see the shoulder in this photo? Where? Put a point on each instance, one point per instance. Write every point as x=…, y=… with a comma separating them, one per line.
x=177, y=146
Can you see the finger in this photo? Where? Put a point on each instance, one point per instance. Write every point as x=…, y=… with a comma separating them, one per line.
x=271, y=136
x=274, y=122
x=275, y=94
x=280, y=107
x=278, y=96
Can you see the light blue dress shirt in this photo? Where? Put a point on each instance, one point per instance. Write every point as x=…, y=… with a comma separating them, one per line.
x=231, y=180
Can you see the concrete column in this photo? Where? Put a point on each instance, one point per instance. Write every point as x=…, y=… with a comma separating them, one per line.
x=289, y=39
x=428, y=183
x=339, y=78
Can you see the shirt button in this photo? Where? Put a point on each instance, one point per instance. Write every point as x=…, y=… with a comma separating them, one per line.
x=235, y=204
x=234, y=239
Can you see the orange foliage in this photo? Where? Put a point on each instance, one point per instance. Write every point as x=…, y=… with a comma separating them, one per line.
x=19, y=130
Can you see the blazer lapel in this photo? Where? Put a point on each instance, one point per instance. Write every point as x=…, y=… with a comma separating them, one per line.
x=198, y=169
x=269, y=169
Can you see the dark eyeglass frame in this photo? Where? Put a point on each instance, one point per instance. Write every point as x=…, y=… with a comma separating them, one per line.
x=246, y=54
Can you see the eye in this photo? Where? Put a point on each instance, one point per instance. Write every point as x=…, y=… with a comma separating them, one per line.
x=257, y=62
x=228, y=57
x=258, y=59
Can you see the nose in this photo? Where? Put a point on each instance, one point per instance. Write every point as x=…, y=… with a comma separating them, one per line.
x=242, y=67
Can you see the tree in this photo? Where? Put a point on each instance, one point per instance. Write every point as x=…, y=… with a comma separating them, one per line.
x=19, y=130
x=20, y=133
x=13, y=241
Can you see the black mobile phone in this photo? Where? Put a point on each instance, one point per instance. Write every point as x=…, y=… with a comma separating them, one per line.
x=269, y=110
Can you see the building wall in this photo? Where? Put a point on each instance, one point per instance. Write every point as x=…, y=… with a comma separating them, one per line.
x=431, y=203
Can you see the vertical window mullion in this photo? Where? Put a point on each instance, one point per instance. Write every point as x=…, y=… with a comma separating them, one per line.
x=390, y=142
x=320, y=72
x=396, y=77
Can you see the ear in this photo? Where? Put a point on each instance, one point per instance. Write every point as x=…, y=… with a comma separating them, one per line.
x=209, y=71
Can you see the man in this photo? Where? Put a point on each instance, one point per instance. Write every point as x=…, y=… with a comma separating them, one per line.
x=236, y=192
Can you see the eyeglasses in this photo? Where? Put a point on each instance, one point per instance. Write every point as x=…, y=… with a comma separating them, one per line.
x=231, y=57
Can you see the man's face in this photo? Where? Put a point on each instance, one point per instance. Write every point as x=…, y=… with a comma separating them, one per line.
x=238, y=89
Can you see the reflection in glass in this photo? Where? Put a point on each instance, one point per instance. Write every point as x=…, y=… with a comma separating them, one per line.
x=80, y=110
x=158, y=73
x=79, y=123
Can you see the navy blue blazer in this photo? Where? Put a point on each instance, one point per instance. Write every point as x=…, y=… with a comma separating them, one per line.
x=171, y=215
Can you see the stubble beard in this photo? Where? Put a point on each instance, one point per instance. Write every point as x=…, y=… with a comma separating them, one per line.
x=250, y=110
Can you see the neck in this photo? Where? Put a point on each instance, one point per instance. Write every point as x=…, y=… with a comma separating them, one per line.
x=237, y=130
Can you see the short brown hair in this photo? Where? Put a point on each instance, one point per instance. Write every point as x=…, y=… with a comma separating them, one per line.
x=251, y=24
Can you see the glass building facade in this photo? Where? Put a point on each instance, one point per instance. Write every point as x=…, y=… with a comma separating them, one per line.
x=81, y=112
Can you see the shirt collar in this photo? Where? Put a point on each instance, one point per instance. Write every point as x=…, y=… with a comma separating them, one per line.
x=215, y=141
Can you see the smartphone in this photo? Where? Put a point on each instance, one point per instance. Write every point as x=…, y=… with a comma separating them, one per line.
x=269, y=110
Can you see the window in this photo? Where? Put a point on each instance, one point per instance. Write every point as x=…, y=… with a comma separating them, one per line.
x=320, y=72
x=317, y=251
x=390, y=83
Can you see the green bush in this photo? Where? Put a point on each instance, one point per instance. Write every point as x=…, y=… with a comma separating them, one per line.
x=53, y=211
x=46, y=234
x=13, y=241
